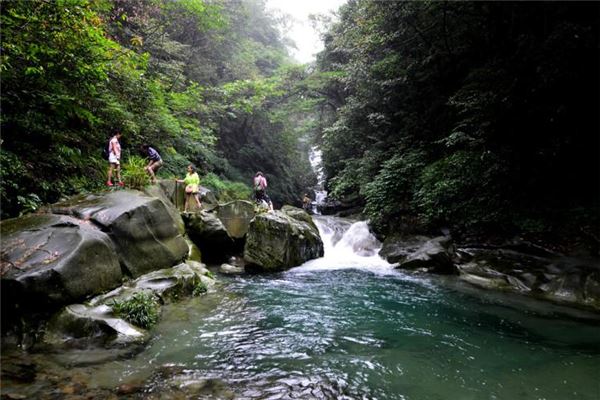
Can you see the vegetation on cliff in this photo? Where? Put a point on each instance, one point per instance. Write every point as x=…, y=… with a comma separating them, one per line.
x=464, y=114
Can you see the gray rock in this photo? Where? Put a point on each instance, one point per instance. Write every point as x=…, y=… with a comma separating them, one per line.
x=210, y=235
x=50, y=260
x=93, y=323
x=396, y=248
x=167, y=284
x=236, y=216
x=194, y=252
x=145, y=234
x=159, y=192
x=276, y=241
x=231, y=269
x=432, y=256
x=298, y=214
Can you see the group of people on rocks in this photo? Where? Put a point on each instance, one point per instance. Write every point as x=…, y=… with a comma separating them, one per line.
x=191, y=180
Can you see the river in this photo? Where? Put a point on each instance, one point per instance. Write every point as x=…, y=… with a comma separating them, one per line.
x=346, y=326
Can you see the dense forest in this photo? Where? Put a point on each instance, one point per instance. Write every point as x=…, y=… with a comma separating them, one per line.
x=465, y=114
x=206, y=82
x=468, y=115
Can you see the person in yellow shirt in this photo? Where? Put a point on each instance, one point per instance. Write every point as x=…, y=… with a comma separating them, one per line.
x=192, y=186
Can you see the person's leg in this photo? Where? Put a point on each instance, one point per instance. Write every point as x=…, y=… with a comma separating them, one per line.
x=150, y=169
x=155, y=167
x=110, y=172
x=197, y=197
x=119, y=174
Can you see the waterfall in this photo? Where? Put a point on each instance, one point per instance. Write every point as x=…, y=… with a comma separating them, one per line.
x=314, y=157
x=347, y=244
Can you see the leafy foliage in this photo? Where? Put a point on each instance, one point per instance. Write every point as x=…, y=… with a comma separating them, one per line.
x=141, y=309
x=200, y=287
x=226, y=190
x=134, y=175
x=445, y=113
x=204, y=82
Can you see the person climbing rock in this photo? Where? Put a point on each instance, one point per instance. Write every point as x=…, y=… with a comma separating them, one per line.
x=154, y=161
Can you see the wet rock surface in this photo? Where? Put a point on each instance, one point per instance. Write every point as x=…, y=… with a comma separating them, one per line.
x=516, y=266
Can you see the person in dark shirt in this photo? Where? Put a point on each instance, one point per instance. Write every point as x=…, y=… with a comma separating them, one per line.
x=154, y=161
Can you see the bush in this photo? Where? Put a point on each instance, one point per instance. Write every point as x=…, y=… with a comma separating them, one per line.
x=199, y=287
x=134, y=175
x=389, y=195
x=463, y=189
x=141, y=309
x=226, y=190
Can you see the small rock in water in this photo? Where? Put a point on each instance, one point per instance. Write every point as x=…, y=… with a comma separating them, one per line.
x=128, y=388
x=230, y=269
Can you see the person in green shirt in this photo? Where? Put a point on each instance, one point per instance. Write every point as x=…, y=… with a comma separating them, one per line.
x=192, y=186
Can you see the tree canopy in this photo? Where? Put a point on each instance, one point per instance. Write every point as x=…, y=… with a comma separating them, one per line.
x=205, y=82
x=463, y=114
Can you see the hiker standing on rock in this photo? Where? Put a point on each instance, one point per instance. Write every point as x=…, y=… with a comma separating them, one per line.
x=192, y=186
x=259, y=183
x=114, y=159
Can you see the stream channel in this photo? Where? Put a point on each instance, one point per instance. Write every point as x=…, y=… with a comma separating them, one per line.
x=345, y=326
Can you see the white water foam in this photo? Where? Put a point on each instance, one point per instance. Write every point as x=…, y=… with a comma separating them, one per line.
x=347, y=244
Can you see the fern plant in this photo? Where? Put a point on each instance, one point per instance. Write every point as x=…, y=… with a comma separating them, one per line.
x=134, y=174
x=141, y=309
x=199, y=287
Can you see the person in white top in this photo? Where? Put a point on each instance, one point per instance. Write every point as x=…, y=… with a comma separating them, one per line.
x=114, y=159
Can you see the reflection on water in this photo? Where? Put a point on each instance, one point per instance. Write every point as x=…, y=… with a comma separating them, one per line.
x=334, y=329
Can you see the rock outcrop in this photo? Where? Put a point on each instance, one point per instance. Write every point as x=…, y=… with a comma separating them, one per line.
x=207, y=231
x=556, y=278
x=96, y=322
x=52, y=260
x=146, y=235
x=81, y=247
x=276, y=241
x=515, y=267
x=235, y=217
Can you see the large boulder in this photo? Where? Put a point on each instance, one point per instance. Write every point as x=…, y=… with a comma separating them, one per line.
x=160, y=192
x=276, y=241
x=145, y=234
x=210, y=235
x=236, y=216
x=434, y=256
x=51, y=260
x=397, y=248
x=95, y=321
x=299, y=214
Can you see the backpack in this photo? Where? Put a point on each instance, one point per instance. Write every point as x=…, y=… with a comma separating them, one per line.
x=106, y=151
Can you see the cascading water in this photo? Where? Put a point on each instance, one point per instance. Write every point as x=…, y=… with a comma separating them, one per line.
x=347, y=244
x=320, y=192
